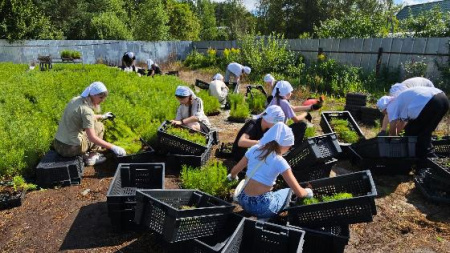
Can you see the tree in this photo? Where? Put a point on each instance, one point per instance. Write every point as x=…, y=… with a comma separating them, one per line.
x=184, y=25
x=107, y=26
x=152, y=23
x=205, y=12
x=432, y=23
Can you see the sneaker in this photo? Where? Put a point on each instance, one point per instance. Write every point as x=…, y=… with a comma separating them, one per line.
x=94, y=159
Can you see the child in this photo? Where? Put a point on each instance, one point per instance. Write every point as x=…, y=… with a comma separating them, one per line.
x=236, y=70
x=218, y=89
x=190, y=112
x=265, y=162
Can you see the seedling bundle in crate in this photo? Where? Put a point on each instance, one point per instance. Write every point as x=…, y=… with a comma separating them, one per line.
x=121, y=196
x=180, y=215
x=386, y=154
x=358, y=208
x=313, y=159
x=433, y=180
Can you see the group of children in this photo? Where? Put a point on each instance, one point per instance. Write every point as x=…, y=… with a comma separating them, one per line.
x=128, y=64
x=260, y=144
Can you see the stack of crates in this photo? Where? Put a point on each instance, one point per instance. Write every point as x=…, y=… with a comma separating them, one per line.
x=371, y=116
x=354, y=102
x=433, y=180
x=54, y=169
x=121, y=196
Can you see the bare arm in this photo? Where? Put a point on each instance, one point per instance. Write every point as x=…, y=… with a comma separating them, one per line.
x=299, y=117
x=239, y=167
x=289, y=178
x=246, y=142
x=393, y=128
x=385, y=123
x=90, y=132
x=301, y=108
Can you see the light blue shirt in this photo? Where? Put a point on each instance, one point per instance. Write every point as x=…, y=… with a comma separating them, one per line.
x=269, y=169
x=285, y=106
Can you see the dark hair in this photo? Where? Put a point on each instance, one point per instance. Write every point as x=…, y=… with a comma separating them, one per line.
x=277, y=96
x=268, y=148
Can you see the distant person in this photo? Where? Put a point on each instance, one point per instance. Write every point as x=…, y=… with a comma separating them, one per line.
x=236, y=70
x=80, y=130
x=218, y=89
x=190, y=112
x=417, y=111
x=254, y=129
x=153, y=68
x=128, y=61
x=269, y=82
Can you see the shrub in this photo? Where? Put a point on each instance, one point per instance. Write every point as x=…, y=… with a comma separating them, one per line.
x=239, y=108
x=120, y=134
x=414, y=67
x=211, y=178
x=211, y=104
x=194, y=60
x=229, y=56
x=71, y=54
x=256, y=101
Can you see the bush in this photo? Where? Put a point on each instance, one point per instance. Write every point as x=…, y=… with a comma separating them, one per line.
x=70, y=54
x=211, y=104
x=239, y=108
x=256, y=101
x=415, y=68
x=195, y=60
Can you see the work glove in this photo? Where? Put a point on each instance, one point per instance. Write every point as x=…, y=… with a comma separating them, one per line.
x=229, y=178
x=308, y=117
x=108, y=115
x=119, y=151
x=309, y=193
x=382, y=133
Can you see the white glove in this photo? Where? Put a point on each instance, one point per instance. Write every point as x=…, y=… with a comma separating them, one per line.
x=231, y=179
x=118, y=150
x=108, y=115
x=309, y=193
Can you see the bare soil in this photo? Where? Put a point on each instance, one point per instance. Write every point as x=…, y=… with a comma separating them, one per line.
x=75, y=218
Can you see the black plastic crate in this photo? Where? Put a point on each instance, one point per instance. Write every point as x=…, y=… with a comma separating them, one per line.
x=173, y=73
x=142, y=175
x=370, y=116
x=328, y=116
x=355, y=111
x=357, y=99
x=224, y=151
x=386, y=146
x=201, y=84
x=54, y=169
x=160, y=210
x=439, y=169
x=317, y=171
x=176, y=161
x=442, y=147
x=8, y=201
x=388, y=166
x=360, y=208
x=256, y=87
x=433, y=182
x=177, y=145
x=313, y=150
x=433, y=195
x=325, y=239
x=143, y=157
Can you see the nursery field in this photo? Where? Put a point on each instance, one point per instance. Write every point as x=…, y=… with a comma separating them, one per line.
x=75, y=218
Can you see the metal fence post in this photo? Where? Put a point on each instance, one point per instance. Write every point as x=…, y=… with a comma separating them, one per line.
x=377, y=68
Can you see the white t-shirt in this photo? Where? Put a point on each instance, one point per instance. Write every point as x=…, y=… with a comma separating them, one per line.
x=418, y=81
x=216, y=88
x=410, y=103
x=269, y=169
x=196, y=110
x=235, y=68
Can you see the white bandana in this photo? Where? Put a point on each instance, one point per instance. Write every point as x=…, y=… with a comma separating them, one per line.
x=280, y=133
x=269, y=79
x=94, y=89
x=397, y=89
x=218, y=76
x=273, y=114
x=184, y=91
x=383, y=102
x=284, y=86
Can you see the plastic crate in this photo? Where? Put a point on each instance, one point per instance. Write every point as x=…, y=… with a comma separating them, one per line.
x=442, y=147
x=357, y=99
x=224, y=151
x=327, y=116
x=173, y=73
x=256, y=87
x=355, y=111
x=12, y=201
x=433, y=195
x=325, y=239
x=121, y=200
x=143, y=157
x=433, y=182
x=176, y=161
x=387, y=146
x=370, y=116
x=201, y=84
x=160, y=211
x=317, y=171
x=439, y=169
x=313, y=150
x=177, y=145
x=54, y=169
x=360, y=208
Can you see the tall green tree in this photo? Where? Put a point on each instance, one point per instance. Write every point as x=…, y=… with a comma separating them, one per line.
x=184, y=25
x=206, y=15
x=107, y=26
x=432, y=23
x=152, y=23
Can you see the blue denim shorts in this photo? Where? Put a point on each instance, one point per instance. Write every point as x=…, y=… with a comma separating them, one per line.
x=266, y=205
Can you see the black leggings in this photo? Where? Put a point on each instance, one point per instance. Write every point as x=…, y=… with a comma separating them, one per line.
x=427, y=121
x=298, y=129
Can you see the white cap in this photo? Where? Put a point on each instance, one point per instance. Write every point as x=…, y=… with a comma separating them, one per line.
x=130, y=54
x=218, y=76
x=273, y=114
x=383, y=102
x=269, y=78
x=183, y=91
x=150, y=62
x=280, y=133
x=94, y=89
x=247, y=70
x=397, y=89
x=284, y=86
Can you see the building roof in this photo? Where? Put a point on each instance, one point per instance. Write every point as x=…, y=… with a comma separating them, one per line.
x=418, y=8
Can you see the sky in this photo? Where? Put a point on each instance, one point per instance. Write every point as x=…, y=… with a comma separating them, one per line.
x=251, y=4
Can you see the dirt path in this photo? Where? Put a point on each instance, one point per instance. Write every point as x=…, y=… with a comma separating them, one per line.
x=75, y=219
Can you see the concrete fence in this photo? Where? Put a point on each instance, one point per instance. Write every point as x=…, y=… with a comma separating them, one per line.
x=107, y=51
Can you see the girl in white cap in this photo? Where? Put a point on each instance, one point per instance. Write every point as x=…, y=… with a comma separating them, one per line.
x=418, y=111
x=282, y=92
x=190, y=112
x=80, y=130
x=269, y=82
x=128, y=59
x=254, y=129
x=237, y=70
x=218, y=89
x=264, y=163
